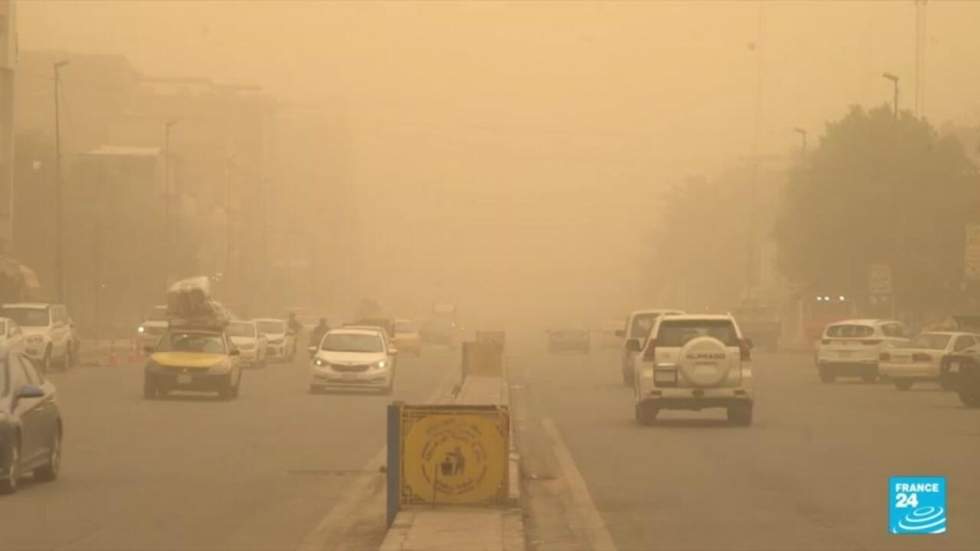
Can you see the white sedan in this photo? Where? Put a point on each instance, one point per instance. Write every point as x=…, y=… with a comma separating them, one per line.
x=250, y=342
x=921, y=360
x=351, y=358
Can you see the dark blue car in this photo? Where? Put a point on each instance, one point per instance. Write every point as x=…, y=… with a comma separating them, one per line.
x=30, y=423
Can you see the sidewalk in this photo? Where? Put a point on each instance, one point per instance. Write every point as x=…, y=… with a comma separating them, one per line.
x=466, y=528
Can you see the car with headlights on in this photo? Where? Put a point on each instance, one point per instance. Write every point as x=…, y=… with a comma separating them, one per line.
x=195, y=359
x=922, y=359
x=281, y=341
x=154, y=324
x=353, y=358
x=250, y=342
x=49, y=336
x=30, y=422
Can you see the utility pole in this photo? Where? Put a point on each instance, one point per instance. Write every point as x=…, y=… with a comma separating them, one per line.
x=751, y=261
x=59, y=223
x=170, y=227
x=894, y=79
x=921, y=42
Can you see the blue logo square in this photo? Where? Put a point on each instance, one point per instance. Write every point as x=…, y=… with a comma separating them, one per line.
x=917, y=504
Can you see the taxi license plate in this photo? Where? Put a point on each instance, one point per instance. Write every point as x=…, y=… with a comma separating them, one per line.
x=184, y=379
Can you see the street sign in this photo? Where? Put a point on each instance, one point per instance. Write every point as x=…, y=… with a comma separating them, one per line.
x=971, y=259
x=880, y=279
x=453, y=454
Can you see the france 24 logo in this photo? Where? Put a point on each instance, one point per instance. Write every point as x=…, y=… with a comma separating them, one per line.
x=917, y=504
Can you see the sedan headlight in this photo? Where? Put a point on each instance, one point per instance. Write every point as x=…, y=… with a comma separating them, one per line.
x=141, y=330
x=381, y=364
x=321, y=363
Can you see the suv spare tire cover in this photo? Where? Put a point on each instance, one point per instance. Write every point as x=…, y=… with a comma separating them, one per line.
x=704, y=361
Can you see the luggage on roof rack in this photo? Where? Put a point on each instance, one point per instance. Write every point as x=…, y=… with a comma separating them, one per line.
x=191, y=306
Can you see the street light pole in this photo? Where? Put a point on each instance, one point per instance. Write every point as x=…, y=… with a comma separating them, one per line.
x=894, y=79
x=802, y=133
x=59, y=251
x=170, y=228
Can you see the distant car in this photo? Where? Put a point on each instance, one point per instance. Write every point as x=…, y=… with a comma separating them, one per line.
x=384, y=323
x=353, y=358
x=635, y=332
x=852, y=348
x=281, y=341
x=607, y=334
x=250, y=342
x=440, y=331
x=154, y=324
x=11, y=336
x=48, y=332
x=694, y=362
x=563, y=340
x=30, y=423
x=407, y=337
x=192, y=359
x=921, y=360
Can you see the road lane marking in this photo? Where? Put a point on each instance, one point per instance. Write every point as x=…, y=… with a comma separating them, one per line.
x=362, y=489
x=592, y=523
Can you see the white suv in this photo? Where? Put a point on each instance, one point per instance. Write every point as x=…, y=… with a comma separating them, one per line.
x=695, y=362
x=638, y=326
x=48, y=332
x=852, y=348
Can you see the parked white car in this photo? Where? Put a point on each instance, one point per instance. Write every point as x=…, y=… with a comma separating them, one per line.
x=153, y=327
x=281, y=341
x=635, y=332
x=353, y=359
x=921, y=360
x=47, y=331
x=695, y=362
x=852, y=348
x=250, y=342
x=11, y=336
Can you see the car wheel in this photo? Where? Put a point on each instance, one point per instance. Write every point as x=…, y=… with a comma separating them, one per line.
x=740, y=415
x=50, y=470
x=827, y=375
x=11, y=470
x=150, y=390
x=645, y=415
x=903, y=385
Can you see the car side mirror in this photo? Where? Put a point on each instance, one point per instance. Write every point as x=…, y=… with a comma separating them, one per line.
x=311, y=350
x=620, y=333
x=633, y=345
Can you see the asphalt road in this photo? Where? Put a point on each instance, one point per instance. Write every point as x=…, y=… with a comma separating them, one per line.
x=196, y=473
x=811, y=473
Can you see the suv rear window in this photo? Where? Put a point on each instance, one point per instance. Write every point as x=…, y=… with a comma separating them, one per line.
x=850, y=331
x=679, y=332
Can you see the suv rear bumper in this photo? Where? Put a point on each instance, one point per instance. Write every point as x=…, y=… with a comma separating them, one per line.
x=696, y=398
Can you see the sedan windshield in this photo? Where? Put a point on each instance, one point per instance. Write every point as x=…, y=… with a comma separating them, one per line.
x=192, y=342
x=931, y=341
x=351, y=342
x=28, y=317
x=271, y=327
x=240, y=329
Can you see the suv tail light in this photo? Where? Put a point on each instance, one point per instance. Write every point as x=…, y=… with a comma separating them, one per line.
x=745, y=351
x=871, y=342
x=884, y=356
x=651, y=351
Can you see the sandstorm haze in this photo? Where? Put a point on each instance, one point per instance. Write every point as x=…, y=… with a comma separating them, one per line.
x=505, y=154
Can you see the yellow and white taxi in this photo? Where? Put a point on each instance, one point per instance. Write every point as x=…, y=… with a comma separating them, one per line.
x=196, y=360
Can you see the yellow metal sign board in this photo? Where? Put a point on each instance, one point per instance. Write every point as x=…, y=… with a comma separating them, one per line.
x=454, y=454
